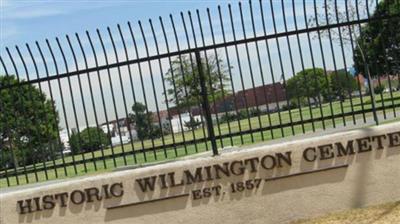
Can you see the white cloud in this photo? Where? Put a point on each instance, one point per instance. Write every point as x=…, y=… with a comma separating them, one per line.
x=35, y=12
x=28, y=9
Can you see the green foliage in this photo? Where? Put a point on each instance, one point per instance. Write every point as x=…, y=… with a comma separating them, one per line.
x=380, y=41
x=90, y=139
x=255, y=112
x=28, y=124
x=228, y=117
x=143, y=121
x=379, y=89
x=293, y=104
x=309, y=83
x=242, y=114
x=183, y=78
x=193, y=123
x=342, y=84
x=166, y=128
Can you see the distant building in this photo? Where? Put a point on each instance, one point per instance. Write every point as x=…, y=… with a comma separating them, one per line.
x=64, y=139
x=120, y=127
x=178, y=122
x=260, y=96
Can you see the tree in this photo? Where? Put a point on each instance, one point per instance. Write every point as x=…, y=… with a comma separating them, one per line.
x=342, y=83
x=184, y=82
x=28, y=124
x=309, y=83
x=380, y=41
x=143, y=121
x=90, y=139
x=375, y=43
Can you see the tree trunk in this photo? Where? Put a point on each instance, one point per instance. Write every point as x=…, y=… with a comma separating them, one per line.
x=13, y=152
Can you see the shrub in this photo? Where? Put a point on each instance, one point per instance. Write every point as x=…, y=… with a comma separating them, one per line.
x=88, y=140
x=379, y=89
x=193, y=123
x=229, y=117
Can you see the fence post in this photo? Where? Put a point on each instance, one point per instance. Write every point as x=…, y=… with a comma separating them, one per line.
x=205, y=104
x=372, y=93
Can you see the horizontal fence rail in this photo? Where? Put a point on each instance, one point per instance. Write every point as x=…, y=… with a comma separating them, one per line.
x=195, y=82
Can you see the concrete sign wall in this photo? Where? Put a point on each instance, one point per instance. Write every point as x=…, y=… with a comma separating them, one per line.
x=266, y=184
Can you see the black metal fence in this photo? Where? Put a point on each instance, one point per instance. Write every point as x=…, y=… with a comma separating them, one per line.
x=194, y=82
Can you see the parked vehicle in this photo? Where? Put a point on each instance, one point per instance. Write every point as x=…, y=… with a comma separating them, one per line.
x=67, y=151
x=117, y=140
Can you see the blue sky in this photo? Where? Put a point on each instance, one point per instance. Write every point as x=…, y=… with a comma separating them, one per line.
x=30, y=20
x=35, y=20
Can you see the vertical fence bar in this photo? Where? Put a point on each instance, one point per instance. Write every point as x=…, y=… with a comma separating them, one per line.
x=82, y=99
x=19, y=103
x=344, y=62
x=132, y=90
x=333, y=58
x=351, y=31
x=314, y=69
x=36, y=118
x=126, y=119
x=153, y=87
x=228, y=61
x=206, y=105
x=322, y=56
x=376, y=63
x=300, y=49
x=52, y=99
x=292, y=64
x=181, y=67
x=101, y=93
x=263, y=79
x=281, y=68
x=256, y=98
x=366, y=67
x=143, y=91
x=30, y=98
x=131, y=82
x=288, y=100
x=2, y=145
x=195, y=45
x=207, y=62
x=112, y=95
x=164, y=88
x=92, y=98
x=72, y=98
x=240, y=71
x=219, y=70
x=172, y=70
x=193, y=71
x=387, y=56
x=9, y=142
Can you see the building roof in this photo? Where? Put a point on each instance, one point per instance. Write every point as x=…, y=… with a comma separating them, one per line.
x=261, y=95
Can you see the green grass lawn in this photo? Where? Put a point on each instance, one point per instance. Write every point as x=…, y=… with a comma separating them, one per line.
x=273, y=119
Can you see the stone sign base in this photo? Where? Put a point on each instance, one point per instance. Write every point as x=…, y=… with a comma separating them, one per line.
x=275, y=183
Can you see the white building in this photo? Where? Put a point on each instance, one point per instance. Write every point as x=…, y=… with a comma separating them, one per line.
x=64, y=139
x=178, y=126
